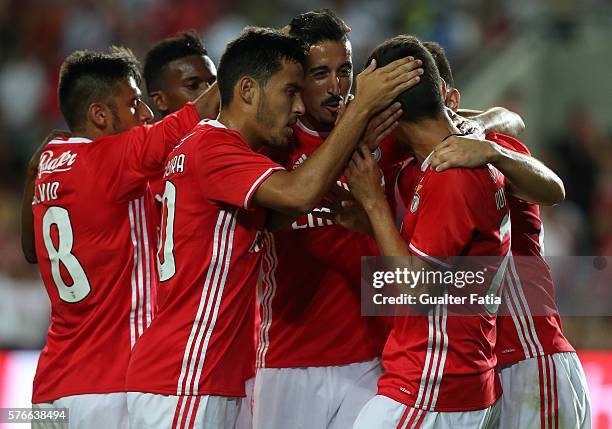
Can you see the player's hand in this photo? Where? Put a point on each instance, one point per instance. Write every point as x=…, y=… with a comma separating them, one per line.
x=381, y=125
x=377, y=88
x=457, y=151
x=342, y=107
x=364, y=176
x=342, y=208
x=465, y=125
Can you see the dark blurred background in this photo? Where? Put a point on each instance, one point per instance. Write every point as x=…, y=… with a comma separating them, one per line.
x=549, y=61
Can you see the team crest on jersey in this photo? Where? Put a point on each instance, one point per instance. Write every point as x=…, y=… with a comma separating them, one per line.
x=416, y=199
x=48, y=164
x=258, y=243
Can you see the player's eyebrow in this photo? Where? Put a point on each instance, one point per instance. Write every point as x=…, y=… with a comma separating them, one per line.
x=192, y=78
x=318, y=69
x=347, y=64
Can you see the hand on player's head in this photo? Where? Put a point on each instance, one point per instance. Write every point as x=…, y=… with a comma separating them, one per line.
x=378, y=87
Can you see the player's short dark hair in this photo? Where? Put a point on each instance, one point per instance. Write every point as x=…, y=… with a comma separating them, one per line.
x=318, y=26
x=88, y=76
x=183, y=45
x=258, y=53
x=439, y=55
x=424, y=100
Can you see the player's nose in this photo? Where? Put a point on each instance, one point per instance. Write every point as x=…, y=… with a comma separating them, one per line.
x=145, y=114
x=334, y=85
x=298, y=107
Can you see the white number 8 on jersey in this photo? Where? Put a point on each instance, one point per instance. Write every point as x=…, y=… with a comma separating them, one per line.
x=63, y=254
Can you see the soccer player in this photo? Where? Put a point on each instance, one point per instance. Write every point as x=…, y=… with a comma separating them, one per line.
x=189, y=369
x=93, y=238
x=312, y=333
x=540, y=371
x=176, y=70
x=439, y=367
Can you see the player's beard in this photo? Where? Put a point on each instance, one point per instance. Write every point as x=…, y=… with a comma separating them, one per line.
x=265, y=119
x=118, y=127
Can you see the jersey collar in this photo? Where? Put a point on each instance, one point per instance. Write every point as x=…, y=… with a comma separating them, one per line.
x=212, y=122
x=308, y=131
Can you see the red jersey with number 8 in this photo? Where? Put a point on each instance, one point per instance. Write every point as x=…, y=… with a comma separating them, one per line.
x=94, y=228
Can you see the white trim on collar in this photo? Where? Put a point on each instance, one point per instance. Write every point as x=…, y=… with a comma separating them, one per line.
x=426, y=161
x=212, y=122
x=307, y=130
x=71, y=140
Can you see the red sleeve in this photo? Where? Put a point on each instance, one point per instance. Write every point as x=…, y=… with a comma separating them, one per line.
x=445, y=220
x=126, y=161
x=508, y=142
x=229, y=171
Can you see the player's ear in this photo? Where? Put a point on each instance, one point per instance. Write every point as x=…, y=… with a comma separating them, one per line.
x=247, y=89
x=453, y=99
x=159, y=100
x=99, y=115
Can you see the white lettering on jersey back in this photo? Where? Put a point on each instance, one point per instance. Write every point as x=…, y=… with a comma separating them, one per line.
x=45, y=192
x=175, y=165
x=48, y=164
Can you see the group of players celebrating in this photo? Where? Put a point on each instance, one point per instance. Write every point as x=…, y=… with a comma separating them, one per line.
x=204, y=269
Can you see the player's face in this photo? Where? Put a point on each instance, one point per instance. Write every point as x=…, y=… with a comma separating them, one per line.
x=184, y=80
x=129, y=110
x=329, y=76
x=280, y=104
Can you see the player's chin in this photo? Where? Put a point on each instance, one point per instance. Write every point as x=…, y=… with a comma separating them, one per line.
x=279, y=141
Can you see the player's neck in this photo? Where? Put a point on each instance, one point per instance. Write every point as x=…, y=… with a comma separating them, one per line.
x=424, y=136
x=90, y=132
x=242, y=124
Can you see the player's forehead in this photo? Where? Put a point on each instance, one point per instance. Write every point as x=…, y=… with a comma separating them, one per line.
x=127, y=88
x=200, y=66
x=330, y=54
x=290, y=75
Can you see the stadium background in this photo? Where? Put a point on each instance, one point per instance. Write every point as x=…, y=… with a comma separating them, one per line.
x=550, y=61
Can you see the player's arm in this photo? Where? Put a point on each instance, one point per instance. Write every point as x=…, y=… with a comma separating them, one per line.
x=208, y=103
x=364, y=178
x=297, y=192
x=529, y=179
x=28, y=244
x=496, y=120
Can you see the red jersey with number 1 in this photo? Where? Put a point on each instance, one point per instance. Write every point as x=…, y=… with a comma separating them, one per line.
x=95, y=241
x=201, y=342
x=445, y=360
x=310, y=294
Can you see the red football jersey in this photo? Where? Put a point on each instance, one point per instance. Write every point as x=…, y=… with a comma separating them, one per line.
x=310, y=294
x=529, y=324
x=93, y=217
x=443, y=361
x=201, y=342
